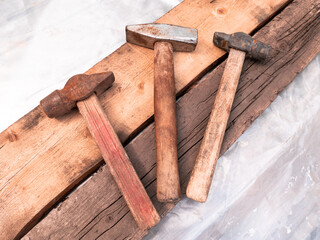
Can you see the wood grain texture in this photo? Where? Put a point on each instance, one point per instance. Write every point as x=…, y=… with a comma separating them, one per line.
x=202, y=173
x=168, y=183
x=118, y=163
x=42, y=158
x=96, y=210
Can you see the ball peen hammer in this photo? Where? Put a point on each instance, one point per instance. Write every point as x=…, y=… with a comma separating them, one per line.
x=164, y=39
x=239, y=45
x=81, y=91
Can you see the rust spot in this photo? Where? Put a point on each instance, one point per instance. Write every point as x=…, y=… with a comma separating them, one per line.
x=221, y=11
x=12, y=136
x=224, y=44
x=153, y=30
x=137, y=38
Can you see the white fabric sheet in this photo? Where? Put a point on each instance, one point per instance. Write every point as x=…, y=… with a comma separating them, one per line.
x=266, y=186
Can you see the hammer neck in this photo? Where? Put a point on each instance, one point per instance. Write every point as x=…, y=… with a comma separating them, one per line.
x=163, y=51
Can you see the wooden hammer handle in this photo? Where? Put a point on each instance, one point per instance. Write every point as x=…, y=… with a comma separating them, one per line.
x=201, y=176
x=168, y=184
x=119, y=164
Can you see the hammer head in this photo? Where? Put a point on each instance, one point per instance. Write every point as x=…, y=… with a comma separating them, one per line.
x=78, y=88
x=145, y=35
x=243, y=42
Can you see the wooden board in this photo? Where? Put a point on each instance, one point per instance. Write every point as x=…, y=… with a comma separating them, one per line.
x=42, y=159
x=96, y=208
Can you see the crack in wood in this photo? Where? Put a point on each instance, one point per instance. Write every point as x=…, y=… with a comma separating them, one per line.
x=112, y=225
x=96, y=216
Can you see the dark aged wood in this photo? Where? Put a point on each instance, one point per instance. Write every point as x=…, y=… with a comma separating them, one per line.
x=96, y=208
x=202, y=172
x=42, y=159
x=168, y=183
x=118, y=163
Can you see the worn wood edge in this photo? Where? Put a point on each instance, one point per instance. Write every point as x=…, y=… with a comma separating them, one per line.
x=272, y=84
x=58, y=133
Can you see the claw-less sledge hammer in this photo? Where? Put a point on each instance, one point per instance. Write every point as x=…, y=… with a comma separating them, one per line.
x=238, y=44
x=164, y=39
x=81, y=91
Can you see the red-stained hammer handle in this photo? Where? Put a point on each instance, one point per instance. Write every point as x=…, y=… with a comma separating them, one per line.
x=119, y=164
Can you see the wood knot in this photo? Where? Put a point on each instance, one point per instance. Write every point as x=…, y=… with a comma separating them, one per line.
x=141, y=86
x=12, y=136
x=221, y=11
x=283, y=46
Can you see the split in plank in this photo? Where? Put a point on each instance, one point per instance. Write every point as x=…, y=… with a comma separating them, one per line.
x=97, y=209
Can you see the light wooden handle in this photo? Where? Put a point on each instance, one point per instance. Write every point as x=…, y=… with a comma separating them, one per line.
x=119, y=164
x=201, y=176
x=168, y=184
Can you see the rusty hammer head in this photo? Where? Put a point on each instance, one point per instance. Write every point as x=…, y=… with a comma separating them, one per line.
x=78, y=88
x=145, y=35
x=243, y=42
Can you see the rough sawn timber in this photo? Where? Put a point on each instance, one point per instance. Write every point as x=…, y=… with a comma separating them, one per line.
x=97, y=210
x=42, y=158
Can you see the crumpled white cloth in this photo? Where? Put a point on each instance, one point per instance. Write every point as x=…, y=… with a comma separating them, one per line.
x=266, y=186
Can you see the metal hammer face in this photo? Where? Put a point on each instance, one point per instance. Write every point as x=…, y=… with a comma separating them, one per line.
x=243, y=42
x=145, y=35
x=78, y=88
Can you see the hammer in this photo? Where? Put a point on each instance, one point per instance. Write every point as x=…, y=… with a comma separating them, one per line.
x=164, y=39
x=81, y=91
x=238, y=44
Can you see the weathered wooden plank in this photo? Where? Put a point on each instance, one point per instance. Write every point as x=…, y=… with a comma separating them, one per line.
x=42, y=159
x=96, y=209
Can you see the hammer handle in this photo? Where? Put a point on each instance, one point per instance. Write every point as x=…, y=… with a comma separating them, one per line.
x=119, y=164
x=168, y=184
x=201, y=176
